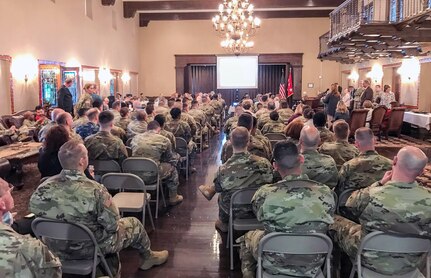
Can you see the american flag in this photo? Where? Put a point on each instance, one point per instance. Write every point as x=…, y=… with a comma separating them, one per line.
x=282, y=90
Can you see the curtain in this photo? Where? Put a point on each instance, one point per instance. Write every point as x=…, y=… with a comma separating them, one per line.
x=202, y=78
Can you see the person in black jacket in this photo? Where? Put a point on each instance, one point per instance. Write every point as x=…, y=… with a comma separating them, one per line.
x=48, y=163
x=64, y=97
x=331, y=100
x=368, y=93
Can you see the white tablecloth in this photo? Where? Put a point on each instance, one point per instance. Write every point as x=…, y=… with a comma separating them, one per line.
x=421, y=120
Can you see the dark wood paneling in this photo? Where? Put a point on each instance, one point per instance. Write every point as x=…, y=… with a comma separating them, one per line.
x=108, y=2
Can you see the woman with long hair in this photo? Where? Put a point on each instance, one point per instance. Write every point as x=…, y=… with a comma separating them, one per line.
x=331, y=100
x=341, y=112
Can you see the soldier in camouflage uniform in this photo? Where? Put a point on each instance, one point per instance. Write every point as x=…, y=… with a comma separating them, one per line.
x=396, y=202
x=264, y=140
x=318, y=167
x=274, y=126
x=186, y=117
x=232, y=121
x=82, y=118
x=200, y=118
x=115, y=110
x=209, y=112
x=264, y=118
x=149, y=109
x=365, y=169
x=42, y=133
x=85, y=100
x=161, y=120
x=71, y=196
x=242, y=170
x=66, y=120
x=157, y=147
x=255, y=146
x=292, y=205
x=125, y=118
x=103, y=145
x=180, y=128
x=138, y=125
x=340, y=150
x=218, y=107
x=92, y=126
x=284, y=111
x=319, y=121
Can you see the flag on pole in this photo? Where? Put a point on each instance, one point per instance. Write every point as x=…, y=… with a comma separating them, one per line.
x=290, y=82
x=282, y=89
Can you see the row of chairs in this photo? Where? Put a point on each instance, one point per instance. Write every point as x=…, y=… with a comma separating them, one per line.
x=301, y=244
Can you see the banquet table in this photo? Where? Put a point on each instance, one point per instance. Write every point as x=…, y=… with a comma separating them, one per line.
x=419, y=119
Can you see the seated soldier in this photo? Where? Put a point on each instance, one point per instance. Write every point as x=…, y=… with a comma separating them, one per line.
x=274, y=126
x=125, y=118
x=82, y=118
x=116, y=107
x=292, y=205
x=231, y=123
x=318, y=167
x=138, y=125
x=54, y=114
x=241, y=170
x=284, y=111
x=319, y=121
x=66, y=120
x=180, y=128
x=22, y=256
x=92, y=126
x=366, y=168
x=340, y=150
x=157, y=147
x=263, y=117
x=103, y=145
x=395, y=202
x=161, y=120
x=72, y=197
x=255, y=146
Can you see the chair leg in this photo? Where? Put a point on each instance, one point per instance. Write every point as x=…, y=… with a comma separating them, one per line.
x=151, y=216
x=353, y=271
x=105, y=266
x=187, y=167
x=231, y=246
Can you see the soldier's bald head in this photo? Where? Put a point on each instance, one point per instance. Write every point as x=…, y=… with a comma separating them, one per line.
x=412, y=161
x=286, y=156
x=73, y=155
x=310, y=137
x=239, y=138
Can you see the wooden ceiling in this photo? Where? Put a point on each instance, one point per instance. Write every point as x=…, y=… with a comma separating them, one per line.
x=149, y=10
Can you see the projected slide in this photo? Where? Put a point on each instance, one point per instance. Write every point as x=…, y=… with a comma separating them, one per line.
x=237, y=72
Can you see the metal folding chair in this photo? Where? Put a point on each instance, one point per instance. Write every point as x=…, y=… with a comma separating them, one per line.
x=240, y=197
x=199, y=137
x=183, y=150
x=135, y=201
x=342, y=199
x=295, y=244
x=102, y=167
x=275, y=137
x=146, y=167
x=56, y=230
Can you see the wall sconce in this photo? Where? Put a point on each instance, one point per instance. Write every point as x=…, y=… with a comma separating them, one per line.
x=24, y=67
x=125, y=77
x=409, y=70
x=354, y=76
x=105, y=75
x=376, y=73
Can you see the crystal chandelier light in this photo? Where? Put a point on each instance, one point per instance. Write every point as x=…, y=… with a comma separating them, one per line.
x=236, y=24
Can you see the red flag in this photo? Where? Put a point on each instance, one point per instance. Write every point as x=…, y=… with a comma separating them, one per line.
x=282, y=89
x=290, y=83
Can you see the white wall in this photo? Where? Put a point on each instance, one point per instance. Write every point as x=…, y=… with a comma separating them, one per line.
x=59, y=31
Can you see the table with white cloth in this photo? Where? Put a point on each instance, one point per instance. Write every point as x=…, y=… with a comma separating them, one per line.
x=418, y=119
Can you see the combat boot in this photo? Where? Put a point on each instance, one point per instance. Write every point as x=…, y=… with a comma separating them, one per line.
x=208, y=191
x=155, y=258
x=173, y=201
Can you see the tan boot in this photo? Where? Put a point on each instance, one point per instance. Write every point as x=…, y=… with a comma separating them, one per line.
x=208, y=191
x=173, y=201
x=248, y=274
x=156, y=258
x=222, y=227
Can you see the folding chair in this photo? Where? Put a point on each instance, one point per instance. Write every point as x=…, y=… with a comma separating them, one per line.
x=275, y=137
x=147, y=167
x=295, y=244
x=342, y=200
x=240, y=197
x=129, y=201
x=183, y=150
x=129, y=151
x=104, y=166
x=199, y=137
x=45, y=228
x=391, y=243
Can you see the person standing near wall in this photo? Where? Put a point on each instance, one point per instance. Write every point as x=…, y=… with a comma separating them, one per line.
x=64, y=96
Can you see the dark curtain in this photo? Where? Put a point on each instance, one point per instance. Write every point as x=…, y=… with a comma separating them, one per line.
x=202, y=78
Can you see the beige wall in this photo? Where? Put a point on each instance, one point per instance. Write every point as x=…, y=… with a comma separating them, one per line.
x=59, y=31
x=161, y=40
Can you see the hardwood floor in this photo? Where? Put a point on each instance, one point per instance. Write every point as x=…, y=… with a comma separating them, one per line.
x=187, y=230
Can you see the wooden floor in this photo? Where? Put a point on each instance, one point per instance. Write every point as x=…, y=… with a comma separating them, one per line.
x=187, y=230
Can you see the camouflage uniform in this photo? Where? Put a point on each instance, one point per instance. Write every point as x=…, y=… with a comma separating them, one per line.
x=161, y=110
x=158, y=148
x=362, y=171
x=117, y=116
x=242, y=170
x=209, y=112
x=255, y=146
x=119, y=132
x=230, y=125
x=341, y=151
x=265, y=141
x=105, y=146
x=325, y=135
x=320, y=167
x=87, y=129
x=285, y=114
x=217, y=105
x=136, y=127
x=293, y=205
x=383, y=208
x=23, y=256
x=85, y=101
x=263, y=119
x=181, y=129
x=71, y=196
x=170, y=136
x=201, y=119
x=273, y=127
x=80, y=121
x=123, y=123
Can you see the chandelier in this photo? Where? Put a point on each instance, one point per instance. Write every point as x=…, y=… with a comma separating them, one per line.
x=236, y=24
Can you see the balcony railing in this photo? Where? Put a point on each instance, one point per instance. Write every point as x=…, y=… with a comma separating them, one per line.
x=352, y=13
